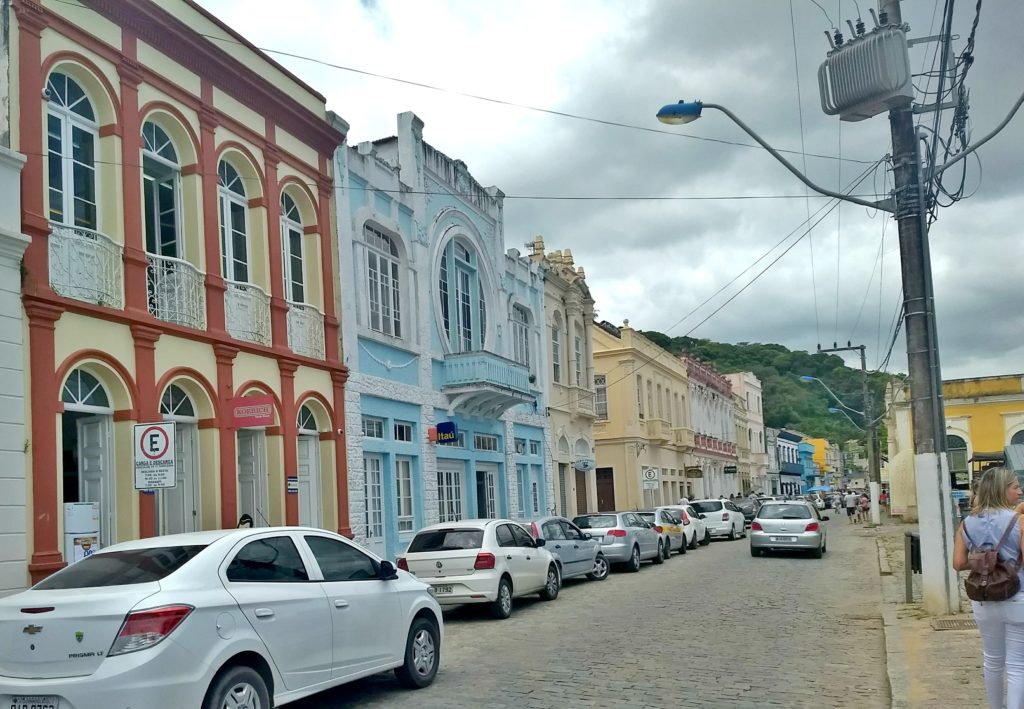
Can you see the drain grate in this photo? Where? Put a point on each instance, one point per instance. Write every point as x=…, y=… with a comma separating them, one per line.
x=954, y=624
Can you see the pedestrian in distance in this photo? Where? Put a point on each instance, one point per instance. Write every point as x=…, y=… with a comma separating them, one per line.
x=995, y=523
x=684, y=500
x=850, y=500
x=837, y=502
x=864, y=506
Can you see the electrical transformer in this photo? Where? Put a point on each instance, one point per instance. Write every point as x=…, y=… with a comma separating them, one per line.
x=867, y=75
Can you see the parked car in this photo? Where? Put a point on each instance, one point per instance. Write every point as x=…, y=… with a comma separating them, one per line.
x=671, y=526
x=576, y=552
x=625, y=538
x=482, y=561
x=788, y=525
x=701, y=532
x=748, y=506
x=722, y=518
x=264, y=615
x=690, y=523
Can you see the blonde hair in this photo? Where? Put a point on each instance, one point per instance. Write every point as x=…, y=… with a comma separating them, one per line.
x=990, y=490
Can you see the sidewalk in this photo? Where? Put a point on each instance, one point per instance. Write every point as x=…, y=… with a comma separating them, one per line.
x=927, y=667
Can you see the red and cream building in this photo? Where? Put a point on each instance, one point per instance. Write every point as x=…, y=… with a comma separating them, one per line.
x=182, y=267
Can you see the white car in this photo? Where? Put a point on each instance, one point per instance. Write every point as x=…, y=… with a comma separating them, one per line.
x=482, y=561
x=722, y=518
x=229, y=618
x=701, y=533
x=689, y=529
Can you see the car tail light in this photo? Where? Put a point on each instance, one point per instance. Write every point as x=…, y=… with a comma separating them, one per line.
x=686, y=520
x=812, y=527
x=144, y=629
x=403, y=564
x=534, y=531
x=484, y=561
x=725, y=516
x=658, y=528
x=615, y=533
x=755, y=526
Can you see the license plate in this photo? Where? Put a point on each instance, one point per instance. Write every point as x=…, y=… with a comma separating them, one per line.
x=442, y=589
x=783, y=539
x=35, y=702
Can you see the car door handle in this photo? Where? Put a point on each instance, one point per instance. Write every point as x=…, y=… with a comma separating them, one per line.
x=339, y=603
x=528, y=558
x=575, y=546
x=264, y=613
x=509, y=556
x=558, y=546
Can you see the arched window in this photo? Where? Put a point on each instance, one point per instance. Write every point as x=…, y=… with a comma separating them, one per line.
x=291, y=246
x=71, y=135
x=956, y=449
x=176, y=403
x=234, y=239
x=1017, y=439
x=306, y=421
x=382, y=285
x=161, y=185
x=521, y=335
x=84, y=391
x=463, y=305
x=556, y=348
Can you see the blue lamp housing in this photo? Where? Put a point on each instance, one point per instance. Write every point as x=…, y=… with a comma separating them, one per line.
x=679, y=113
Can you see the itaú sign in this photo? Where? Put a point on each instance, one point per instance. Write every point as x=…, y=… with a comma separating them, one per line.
x=252, y=411
x=584, y=464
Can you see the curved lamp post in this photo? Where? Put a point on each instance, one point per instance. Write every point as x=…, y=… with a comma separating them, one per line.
x=834, y=410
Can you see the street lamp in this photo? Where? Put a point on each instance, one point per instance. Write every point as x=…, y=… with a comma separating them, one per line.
x=808, y=378
x=834, y=410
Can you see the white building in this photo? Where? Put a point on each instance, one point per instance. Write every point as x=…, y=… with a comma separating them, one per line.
x=747, y=387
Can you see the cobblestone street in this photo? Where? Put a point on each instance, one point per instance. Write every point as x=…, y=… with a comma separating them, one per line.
x=714, y=628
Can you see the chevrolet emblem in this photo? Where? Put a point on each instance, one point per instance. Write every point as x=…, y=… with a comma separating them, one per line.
x=32, y=629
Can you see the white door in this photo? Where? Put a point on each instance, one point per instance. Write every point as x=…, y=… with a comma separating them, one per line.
x=252, y=477
x=309, y=481
x=374, y=492
x=95, y=475
x=449, y=492
x=179, y=505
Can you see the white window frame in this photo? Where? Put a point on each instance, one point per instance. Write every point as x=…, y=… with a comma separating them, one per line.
x=461, y=295
x=556, y=350
x=534, y=447
x=640, y=395
x=601, y=397
x=520, y=445
x=486, y=442
x=383, y=282
x=153, y=185
x=449, y=496
x=378, y=425
x=459, y=442
x=226, y=198
x=374, y=527
x=406, y=512
x=293, y=225
x=69, y=121
x=403, y=426
x=521, y=335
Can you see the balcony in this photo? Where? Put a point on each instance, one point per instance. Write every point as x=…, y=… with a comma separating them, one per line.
x=659, y=430
x=582, y=401
x=484, y=384
x=176, y=291
x=306, y=330
x=247, y=312
x=86, y=265
x=682, y=437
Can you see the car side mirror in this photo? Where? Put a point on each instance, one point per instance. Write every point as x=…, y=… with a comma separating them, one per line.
x=539, y=542
x=386, y=571
x=701, y=516
x=587, y=536
x=824, y=518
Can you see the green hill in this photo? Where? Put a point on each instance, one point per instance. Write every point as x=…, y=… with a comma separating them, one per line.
x=789, y=402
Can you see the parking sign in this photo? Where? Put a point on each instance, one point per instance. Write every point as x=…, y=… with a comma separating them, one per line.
x=154, y=456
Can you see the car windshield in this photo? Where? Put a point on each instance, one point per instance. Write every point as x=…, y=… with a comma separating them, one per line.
x=784, y=512
x=447, y=540
x=744, y=504
x=647, y=516
x=709, y=506
x=121, y=568
x=596, y=521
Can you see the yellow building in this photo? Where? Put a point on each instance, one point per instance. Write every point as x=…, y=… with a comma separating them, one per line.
x=643, y=431
x=177, y=192
x=983, y=415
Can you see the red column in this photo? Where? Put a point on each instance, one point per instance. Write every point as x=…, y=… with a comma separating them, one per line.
x=46, y=556
x=135, y=263
x=341, y=451
x=332, y=326
x=211, y=223
x=289, y=432
x=228, y=456
x=278, y=302
x=148, y=407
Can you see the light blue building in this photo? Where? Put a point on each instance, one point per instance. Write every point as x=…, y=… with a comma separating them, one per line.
x=811, y=475
x=440, y=324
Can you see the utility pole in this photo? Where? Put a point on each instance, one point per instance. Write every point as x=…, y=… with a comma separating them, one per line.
x=870, y=428
x=931, y=468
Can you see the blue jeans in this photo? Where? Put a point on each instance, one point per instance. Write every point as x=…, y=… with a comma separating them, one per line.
x=1001, y=624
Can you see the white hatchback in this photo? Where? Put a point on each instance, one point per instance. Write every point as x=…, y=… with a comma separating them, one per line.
x=482, y=561
x=230, y=618
x=722, y=518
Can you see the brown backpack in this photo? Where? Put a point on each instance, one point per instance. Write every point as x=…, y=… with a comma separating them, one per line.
x=991, y=577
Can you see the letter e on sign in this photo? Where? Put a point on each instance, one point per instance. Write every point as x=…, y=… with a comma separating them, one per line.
x=154, y=456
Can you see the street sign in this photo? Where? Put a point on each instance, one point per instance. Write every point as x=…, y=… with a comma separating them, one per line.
x=650, y=484
x=154, y=456
x=651, y=474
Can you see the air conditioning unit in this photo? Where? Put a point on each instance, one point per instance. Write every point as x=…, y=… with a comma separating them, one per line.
x=867, y=75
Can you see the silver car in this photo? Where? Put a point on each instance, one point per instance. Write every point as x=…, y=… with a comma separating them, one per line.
x=576, y=552
x=625, y=538
x=794, y=524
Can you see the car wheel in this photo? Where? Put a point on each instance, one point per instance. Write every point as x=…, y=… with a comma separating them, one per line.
x=682, y=547
x=239, y=687
x=816, y=553
x=668, y=549
x=755, y=552
x=502, y=606
x=693, y=542
x=732, y=533
x=551, y=585
x=422, y=652
x=824, y=547
x=600, y=572
x=707, y=538
x=634, y=561
x=659, y=558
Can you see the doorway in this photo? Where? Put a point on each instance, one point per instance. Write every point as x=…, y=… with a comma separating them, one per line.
x=605, y=489
x=252, y=476
x=308, y=469
x=581, y=492
x=373, y=488
x=486, y=494
x=178, y=507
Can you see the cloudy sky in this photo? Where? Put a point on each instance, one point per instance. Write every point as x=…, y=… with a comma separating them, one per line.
x=712, y=209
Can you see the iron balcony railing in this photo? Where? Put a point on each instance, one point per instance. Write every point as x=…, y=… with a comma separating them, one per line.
x=306, y=330
x=247, y=312
x=86, y=265
x=176, y=291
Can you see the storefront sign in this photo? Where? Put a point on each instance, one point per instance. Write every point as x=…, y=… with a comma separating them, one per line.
x=729, y=469
x=447, y=432
x=253, y=411
x=584, y=464
x=694, y=471
x=154, y=456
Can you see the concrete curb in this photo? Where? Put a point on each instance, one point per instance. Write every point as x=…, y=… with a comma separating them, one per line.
x=895, y=659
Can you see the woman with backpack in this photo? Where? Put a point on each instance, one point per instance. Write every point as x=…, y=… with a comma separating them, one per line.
x=988, y=544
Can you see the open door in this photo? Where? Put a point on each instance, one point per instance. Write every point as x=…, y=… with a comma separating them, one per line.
x=95, y=474
x=309, y=481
